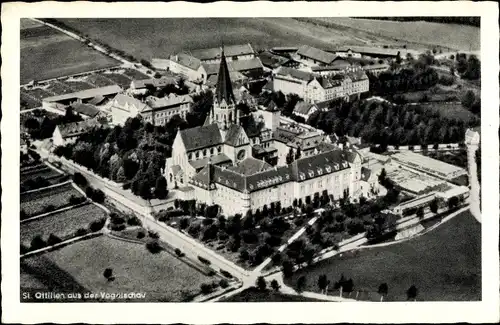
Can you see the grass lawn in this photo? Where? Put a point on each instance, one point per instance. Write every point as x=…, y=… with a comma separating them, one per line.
x=47, y=53
x=80, y=266
x=63, y=224
x=255, y=295
x=34, y=203
x=445, y=265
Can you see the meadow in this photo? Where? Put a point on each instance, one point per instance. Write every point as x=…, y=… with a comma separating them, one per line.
x=448, y=268
x=63, y=224
x=80, y=267
x=47, y=53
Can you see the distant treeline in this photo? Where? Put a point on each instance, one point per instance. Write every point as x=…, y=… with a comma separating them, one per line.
x=472, y=21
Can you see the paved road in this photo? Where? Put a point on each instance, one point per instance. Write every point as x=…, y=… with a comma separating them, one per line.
x=474, y=197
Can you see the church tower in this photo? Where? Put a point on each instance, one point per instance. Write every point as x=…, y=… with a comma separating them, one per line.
x=224, y=111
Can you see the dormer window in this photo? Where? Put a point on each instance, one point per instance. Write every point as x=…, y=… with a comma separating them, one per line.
x=328, y=169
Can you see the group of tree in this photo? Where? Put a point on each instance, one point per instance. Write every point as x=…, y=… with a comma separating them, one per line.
x=472, y=102
x=41, y=124
x=387, y=124
x=468, y=68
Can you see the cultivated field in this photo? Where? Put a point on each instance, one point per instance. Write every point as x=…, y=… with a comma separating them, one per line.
x=448, y=268
x=35, y=203
x=80, y=267
x=47, y=53
x=63, y=224
x=457, y=37
x=161, y=37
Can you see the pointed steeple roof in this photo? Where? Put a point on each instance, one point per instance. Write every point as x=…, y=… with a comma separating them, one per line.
x=224, y=89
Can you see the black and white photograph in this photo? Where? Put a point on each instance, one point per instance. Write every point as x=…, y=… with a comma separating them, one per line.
x=251, y=159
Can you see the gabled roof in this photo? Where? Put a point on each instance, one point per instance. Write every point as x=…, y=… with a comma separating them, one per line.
x=232, y=134
x=201, y=137
x=235, y=76
x=378, y=50
x=294, y=73
x=376, y=66
x=302, y=108
x=215, y=52
x=336, y=65
x=78, y=128
x=85, y=109
x=224, y=88
x=86, y=94
x=186, y=60
x=320, y=164
x=271, y=60
x=123, y=101
x=167, y=102
x=316, y=54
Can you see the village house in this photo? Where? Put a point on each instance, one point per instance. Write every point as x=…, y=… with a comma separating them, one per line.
x=123, y=106
x=160, y=110
x=307, y=109
x=375, y=52
x=70, y=132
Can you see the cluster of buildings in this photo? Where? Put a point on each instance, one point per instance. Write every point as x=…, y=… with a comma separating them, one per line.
x=221, y=163
x=115, y=104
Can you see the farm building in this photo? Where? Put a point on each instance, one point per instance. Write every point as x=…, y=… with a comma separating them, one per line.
x=375, y=52
x=87, y=110
x=141, y=86
x=428, y=165
x=69, y=133
x=272, y=61
x=231, y=52
x=251, y=68
x=84, y=96
x=339, y=65
x=184, y=64
x=284, y=50
x=313, y=56
x=376, y=69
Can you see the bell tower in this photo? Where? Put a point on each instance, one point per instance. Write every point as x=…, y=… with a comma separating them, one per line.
x=224, y=111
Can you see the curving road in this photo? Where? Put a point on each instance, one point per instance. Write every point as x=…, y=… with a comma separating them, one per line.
x=474, y=197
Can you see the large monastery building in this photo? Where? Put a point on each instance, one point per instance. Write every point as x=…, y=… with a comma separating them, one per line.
x=239, y=170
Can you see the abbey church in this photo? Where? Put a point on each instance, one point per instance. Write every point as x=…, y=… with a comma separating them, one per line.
x=221, y=163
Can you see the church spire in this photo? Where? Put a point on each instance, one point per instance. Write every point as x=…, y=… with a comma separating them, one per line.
x=224, y=88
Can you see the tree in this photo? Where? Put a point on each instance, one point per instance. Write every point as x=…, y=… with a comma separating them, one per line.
x=301, y=283
x=161, y=188
x=420, y=213
x=468, y=99
x=434, y=205
x=275, y=285
x=261, y=283
x=323, y=283
x=287, y=268
x=453, y=202
x=145, y=190
x=382, y=177
x=412, y=293
x=289, y=157
x=108, y=274
x=383, y=289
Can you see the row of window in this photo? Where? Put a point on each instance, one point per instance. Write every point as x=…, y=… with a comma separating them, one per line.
x=203, y=153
